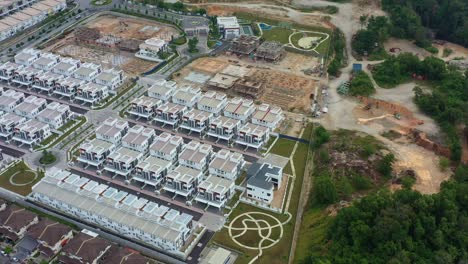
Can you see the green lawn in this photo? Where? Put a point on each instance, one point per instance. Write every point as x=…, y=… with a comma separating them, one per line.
x=283, y=147
x=23, y=176
x=101, y=2
x=67, y=125
x=277, y=34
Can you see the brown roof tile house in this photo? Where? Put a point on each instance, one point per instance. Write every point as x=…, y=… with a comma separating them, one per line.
x=14, y=221
x=119, y=255
x=50, y=235
x=84, y=248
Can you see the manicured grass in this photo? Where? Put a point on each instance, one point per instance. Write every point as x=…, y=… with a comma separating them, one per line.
x=179, y=41
x=48, y=140
x=82, y=120
x=67, y=125
x=113, y=99
x=299, y=35
x=283, y=147
x=23, y=177
x=277, y=34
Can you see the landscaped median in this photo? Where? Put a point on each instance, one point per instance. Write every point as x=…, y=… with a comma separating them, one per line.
x=54, y=139
x=19, y=178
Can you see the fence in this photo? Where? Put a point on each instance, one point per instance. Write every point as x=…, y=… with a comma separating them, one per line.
x=294, y=138
x=260, y=205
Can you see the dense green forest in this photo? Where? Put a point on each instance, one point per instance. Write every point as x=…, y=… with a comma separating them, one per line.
x=418, y=19
x=448, y=100
x=402, y=227
x=369, y=41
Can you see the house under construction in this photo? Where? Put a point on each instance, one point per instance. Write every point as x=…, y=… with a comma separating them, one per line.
x=244, y=44
x=249, y=88
x=131, y=45
x=270, y=51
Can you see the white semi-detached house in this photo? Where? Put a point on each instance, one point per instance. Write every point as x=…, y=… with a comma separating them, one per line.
x=196, y=155
x=262, y=179
x=212, y=102
x=9, y=100
x=68, y=87
x=269, y=116
x=27, y=56
x=66, y=66
x=226, y=164
x=8, y=122
x=112, y=130
x=95, y=152
x=87, y=71
x=47, y=82
x=25, y=76
x=253, y=136
x=187, y=96
x=162, y=89
x=144, y=107
x=224, y=128
x=196, y=121
x=46, y=61
x=170, y=114
x=31, y=107
x=182, y=181
x=151, y=171
x=112, y=78
x=123, y=161
x=215, y=191
x=26, y=20
x=5, y=31
x=15, y=24
x=240, y=109
x=91, y=93
x=7, y=70
x=36, y=15
x=117, y=211
x=139, y=138
x=31, y=132
x=55, y=114
x=167, y=147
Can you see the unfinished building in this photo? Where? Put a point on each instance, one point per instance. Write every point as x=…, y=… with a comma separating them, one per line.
x=249, y=87
x=244, y=44
x=270, y=51
x=222, y=81
x=87, y=35
x=130, y=45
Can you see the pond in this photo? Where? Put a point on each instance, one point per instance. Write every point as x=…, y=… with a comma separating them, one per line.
x=264, y=26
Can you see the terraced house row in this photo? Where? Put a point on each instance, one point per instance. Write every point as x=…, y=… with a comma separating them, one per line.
x=164, y=162
x=87, y=83
x=236, y=120
x=29, y=120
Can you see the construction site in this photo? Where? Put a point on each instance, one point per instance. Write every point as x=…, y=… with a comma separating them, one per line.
x=283, y=83
x=112, y=40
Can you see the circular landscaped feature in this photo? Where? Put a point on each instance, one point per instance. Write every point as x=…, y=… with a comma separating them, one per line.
x=23, y=178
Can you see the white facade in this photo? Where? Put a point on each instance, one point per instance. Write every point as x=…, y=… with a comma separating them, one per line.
x=167, y=147
x=144, y=107
x=196, y=155
x=111, y=78
x=123, y=161
x=95, y=152
x=269, y=116
x=182, y=181
x=170, y=114
x=31, y=132
x=91, y=93
x=224, y=128
x=87, y=71
x=55, y=114
x=112, y=130
x=253, y=136
x=187, y=96
x=212, y=102
x=226, y=164
x=240, y=109
x=150, y=48
x=139, y=138
x=196, y=121
x=229, y=27
x=162, y=89
x=31, y=107
x=152, y=171
x=9, y=100
x=215, y=191
x=8, y=122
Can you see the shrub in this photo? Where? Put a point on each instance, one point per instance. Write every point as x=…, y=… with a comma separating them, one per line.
x=444, y=163
x=361, y=183
x=361, y=84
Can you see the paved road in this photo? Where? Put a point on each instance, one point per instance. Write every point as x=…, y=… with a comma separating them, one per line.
x=12, y=150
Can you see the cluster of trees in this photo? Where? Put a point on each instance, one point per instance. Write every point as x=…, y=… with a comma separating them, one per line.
x=177, y=6
x=192, y=45
x=412, y=19
x=338, y=49
x=370, y=40
x=361, y=84
x=404, y=227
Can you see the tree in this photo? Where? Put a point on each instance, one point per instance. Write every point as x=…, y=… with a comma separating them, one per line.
x=385, y=165
x=325, y=190
x=361, y=84
x=192, y=45
x=178, y=6
x=363, y=20
x=321, y=136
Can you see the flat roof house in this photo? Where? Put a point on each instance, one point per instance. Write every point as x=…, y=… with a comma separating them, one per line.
x=112, y=78
x=68, y=87
x=123, y=161
x=182, y=181
x=226, y=164
x=6, y=31
x=144, y=107
x=95, y=152
x=112, y=130
x=240, y=109
x=84, y=248
x=268, y=116
x=25, y=76
x=55, y=114
x=262, y=178
x=46, y=61
x=170, y=114
x=8, y=122
x=196, y=155
x=225, y=128
x=31, y=106
x=66, y=66
x=167, y=147
x=7, y=70
x=162, y=89
x=26, y=20
x=228, y=26
x=31, y=132
x=14, y=23
x=91, y=93
x=50, y=235
x=27, y=56
x=253, y=136
x=36, y=15
x=87, y=71
x=215, y=191
x=196, y=121
x=212, y=102
x=47, y=82
x=15, y=221
x=10, y=99
x=139, y=138
x=152, y=171
x=187, y=96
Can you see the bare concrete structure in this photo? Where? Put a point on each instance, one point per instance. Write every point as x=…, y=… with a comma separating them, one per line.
x=270, y=51
x=244, y=44
x=249, y=88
